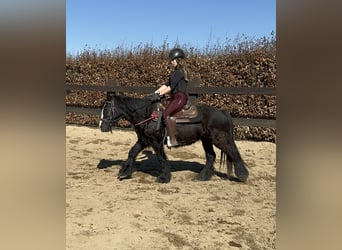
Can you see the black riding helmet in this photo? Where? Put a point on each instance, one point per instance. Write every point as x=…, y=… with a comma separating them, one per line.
x=176, y=53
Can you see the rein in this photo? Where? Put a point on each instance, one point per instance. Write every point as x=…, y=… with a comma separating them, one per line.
x=154, y=115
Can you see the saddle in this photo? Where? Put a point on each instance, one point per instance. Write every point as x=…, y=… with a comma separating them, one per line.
x=189, y=113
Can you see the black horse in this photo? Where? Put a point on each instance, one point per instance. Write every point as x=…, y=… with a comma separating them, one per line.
x=215, y=128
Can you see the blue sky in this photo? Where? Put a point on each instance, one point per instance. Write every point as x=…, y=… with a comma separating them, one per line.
x=107, y=24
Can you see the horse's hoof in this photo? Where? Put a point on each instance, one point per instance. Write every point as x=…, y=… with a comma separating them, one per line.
x=163, y=179
x=205, y=176
x=123, y=177
x=232, y=178
x=201, y=178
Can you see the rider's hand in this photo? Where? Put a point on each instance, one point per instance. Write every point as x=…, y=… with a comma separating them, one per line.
x=153, y=97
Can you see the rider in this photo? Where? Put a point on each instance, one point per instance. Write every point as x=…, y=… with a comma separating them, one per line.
x=177, y=87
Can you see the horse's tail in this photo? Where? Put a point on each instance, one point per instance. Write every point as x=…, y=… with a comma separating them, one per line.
x=232, y=154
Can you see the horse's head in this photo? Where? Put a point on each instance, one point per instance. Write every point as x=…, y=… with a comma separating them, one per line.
x=109, y=114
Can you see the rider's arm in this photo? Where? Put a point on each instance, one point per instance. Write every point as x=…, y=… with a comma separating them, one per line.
x=163, y=90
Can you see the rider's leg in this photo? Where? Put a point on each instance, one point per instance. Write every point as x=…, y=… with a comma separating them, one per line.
x=170, y=123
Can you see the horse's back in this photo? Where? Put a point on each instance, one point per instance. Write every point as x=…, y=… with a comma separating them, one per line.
x=212, y=115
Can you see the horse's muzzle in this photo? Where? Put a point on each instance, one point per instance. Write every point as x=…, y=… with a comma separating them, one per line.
x=105, y=126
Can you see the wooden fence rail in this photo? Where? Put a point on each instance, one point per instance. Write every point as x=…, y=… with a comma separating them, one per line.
x=194, y=90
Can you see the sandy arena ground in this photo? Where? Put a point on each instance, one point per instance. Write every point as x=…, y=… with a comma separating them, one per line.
x=103, y=212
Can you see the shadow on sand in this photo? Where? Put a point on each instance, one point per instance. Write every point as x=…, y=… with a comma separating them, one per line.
x=151, y=165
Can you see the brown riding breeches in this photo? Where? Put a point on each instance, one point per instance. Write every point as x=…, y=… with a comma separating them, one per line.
x=177, y=102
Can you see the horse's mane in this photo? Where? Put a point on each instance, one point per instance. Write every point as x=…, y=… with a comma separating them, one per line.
x=133, y=103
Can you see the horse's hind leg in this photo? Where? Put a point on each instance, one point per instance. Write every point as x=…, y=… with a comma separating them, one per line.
x=225, y=142
x=230, y=171
x=228, y=146
x=229, y=168
x=126, y=170
x=225, y=159
x=208, y=170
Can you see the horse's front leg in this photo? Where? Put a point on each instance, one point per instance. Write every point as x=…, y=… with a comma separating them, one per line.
x=126, y=170
x=208, y=170
x=165, y=175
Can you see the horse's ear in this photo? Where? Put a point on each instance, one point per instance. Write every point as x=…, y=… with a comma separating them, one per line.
x=110, y=95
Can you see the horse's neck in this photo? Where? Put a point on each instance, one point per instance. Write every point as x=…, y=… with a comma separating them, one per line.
x=137, y=109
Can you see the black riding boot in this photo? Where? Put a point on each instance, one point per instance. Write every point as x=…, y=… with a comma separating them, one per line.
x=171, y=131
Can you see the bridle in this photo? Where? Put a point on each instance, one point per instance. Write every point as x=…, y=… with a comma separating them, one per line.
x=111, y=119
